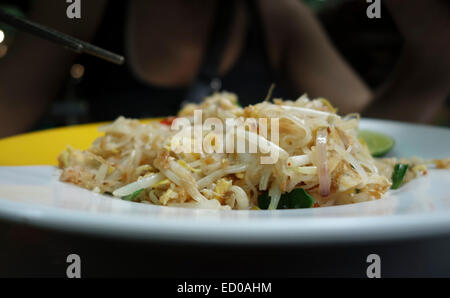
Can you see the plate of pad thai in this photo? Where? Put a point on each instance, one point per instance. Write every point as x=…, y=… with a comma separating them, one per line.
x=279, y=170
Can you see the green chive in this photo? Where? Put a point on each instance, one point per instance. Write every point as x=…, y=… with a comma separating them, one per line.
x=133, y=195
x=296, y=199
x=284, y=202
x=263, y=200
x=398, y=175
x=299, y=198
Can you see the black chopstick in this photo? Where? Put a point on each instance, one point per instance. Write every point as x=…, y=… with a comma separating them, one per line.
x=69, y=42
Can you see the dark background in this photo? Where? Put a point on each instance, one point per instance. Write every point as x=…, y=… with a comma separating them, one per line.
x=35, y=252
x=371, y=46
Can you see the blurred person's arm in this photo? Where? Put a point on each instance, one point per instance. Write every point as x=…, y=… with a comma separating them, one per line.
x=309, y=60
x=414, y=91
x=33, y=71
x=420, y=84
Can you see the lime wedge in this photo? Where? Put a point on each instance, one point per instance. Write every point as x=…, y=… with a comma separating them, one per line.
x=379, y=144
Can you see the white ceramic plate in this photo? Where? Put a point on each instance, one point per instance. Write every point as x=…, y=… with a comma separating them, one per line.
x=33, y=195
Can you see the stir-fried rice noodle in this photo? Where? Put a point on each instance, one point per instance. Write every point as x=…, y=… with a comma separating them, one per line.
x=317, y=150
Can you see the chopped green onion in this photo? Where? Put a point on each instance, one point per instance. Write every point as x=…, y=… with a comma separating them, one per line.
x=398, y=175
x=263, y=200
x=296, y=199
x=300, y=198
x=133, y=195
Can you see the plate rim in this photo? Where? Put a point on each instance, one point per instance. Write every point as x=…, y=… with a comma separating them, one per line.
x=333, y=229
x=368, y=228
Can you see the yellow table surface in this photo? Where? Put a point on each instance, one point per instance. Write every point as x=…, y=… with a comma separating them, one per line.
x=43, y=147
